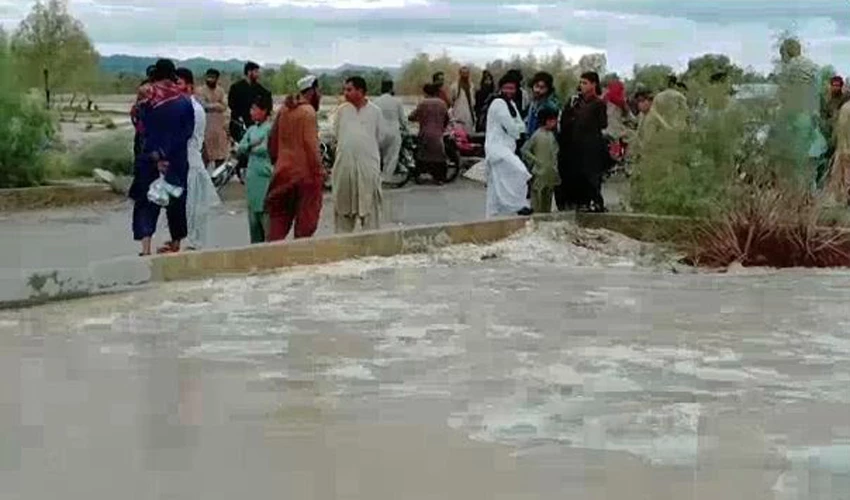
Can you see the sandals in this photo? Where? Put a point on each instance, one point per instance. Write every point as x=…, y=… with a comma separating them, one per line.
x=169, y=247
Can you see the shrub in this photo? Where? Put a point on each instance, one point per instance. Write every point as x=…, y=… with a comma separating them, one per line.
x=690, y=172
x=26, y=130
x=771, y=227
x=113, y=152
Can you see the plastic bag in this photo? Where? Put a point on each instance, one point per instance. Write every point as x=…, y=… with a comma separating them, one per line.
x=477, y=172
x=161, y=192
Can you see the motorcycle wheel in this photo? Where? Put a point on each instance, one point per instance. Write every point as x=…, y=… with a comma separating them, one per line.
x=453, y=161
x=222, y=175
x=407, y=162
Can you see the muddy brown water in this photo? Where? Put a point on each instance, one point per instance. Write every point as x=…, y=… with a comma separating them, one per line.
x=540, y=373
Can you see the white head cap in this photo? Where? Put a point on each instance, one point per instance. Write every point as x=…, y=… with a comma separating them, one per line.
x=306, y=83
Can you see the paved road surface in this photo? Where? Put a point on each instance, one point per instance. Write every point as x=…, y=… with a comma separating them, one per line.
x=73, y=238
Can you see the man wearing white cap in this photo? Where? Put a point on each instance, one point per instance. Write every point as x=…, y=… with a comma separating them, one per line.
x=295, y=192
x=357, y=171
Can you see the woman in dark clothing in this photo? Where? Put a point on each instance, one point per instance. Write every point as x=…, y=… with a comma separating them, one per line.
x=483, y=96
x=583, y=155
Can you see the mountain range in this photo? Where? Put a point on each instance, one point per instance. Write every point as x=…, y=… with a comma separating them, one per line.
x=137, y=65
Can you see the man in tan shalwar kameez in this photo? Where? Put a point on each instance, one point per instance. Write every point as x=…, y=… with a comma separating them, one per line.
x=214, y=101
x=463, y=100
x=357, y=170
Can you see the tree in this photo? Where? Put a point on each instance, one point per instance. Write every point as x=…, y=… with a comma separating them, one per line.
x=415, y=74
x=593, y=62
x=651, y=77
x=50, y=39
x=285, y=79
x=701, y=68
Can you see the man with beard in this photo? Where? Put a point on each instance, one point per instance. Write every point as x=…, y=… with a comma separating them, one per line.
x=507, y=176
x=295, y=191
x=463, y=100
x=357, y=172
x=167, y=121
x=243, y=94
x=522, y=100
x=583, y=152
x=214, y=101
x=543, y=97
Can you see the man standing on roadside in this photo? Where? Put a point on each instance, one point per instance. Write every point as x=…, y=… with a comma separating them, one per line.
x=543, y=97
x=394, y=125
x=295, y=191
x=201, y=195
x=357, y=172
x=463, y=100
x=439, y=80
x=243, y=94
x=167, y=121
x=214, y=101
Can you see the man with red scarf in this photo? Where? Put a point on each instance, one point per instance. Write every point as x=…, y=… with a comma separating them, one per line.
x=166, y=120
x=619, y=115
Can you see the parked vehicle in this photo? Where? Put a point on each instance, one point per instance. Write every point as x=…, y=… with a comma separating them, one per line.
x=407, y=166
x=222, y=174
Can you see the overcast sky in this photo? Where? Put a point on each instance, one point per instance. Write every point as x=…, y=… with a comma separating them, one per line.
x=386, y=32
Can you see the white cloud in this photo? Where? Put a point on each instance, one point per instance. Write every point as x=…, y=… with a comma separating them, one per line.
x=386, y=32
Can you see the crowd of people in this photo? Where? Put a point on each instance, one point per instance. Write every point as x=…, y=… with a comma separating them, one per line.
x=536, y=150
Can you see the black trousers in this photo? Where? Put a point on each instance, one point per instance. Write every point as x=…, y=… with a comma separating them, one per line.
x=146, y=215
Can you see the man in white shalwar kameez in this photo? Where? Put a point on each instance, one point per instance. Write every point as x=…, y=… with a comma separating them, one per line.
x=507, y=175
x=201, y=194
x=463, y=100
x=356, y=174
x=394, y=125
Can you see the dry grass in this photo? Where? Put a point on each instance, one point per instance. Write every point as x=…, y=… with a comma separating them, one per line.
x=775, y=228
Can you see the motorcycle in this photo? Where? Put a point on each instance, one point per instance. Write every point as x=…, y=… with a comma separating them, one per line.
x=408, y=168
x=222, y=174
x=618, y=150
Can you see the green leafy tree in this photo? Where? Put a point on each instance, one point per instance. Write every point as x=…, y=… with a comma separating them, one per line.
x=50, y=39
x=285, y=79
x=416, y=73
x=651, y=77
x=701, y=68
x=25, y=131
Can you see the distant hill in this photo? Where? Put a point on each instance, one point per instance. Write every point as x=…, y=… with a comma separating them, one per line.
x=137, y=65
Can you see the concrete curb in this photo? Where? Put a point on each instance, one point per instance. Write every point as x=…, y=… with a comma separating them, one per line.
x=384, y=243
x=32, y=287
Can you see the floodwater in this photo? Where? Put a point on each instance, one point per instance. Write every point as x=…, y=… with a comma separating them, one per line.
x=530, y=369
